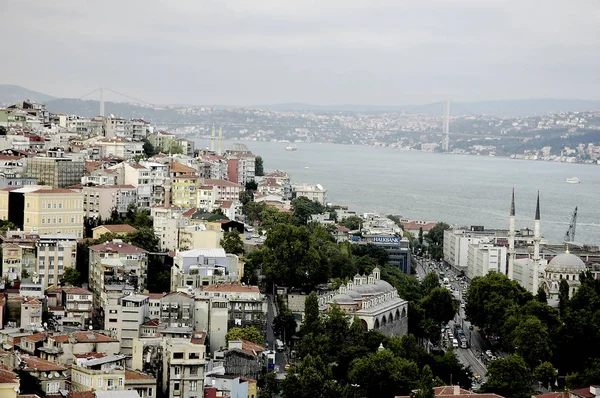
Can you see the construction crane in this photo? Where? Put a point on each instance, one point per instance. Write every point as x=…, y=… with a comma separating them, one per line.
x=570, y=235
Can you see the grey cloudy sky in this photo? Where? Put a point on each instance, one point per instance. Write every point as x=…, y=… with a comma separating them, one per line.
x=243, y=52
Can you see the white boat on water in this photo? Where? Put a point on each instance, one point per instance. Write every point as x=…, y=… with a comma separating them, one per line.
x=291, y=148
x=573, y=180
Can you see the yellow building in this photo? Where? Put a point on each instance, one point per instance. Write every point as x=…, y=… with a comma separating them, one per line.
x=9, y=383
x=98, y=373
x=184, y=191
x=54, y=211
x=43, y=210
x=251, y=388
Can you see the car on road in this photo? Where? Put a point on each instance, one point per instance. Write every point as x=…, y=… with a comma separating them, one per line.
x=287, y=367
x=470, y=327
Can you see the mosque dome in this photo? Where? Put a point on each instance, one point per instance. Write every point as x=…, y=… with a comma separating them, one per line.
x=343, y=299
x=566, y=262
x=383, y=286
x=353, y=294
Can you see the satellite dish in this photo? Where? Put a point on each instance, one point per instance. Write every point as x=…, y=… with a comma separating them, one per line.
x=16, y=389
x=91, y=327
x=49, y=376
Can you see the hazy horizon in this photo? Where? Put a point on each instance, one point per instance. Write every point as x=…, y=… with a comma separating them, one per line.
x=236, y=53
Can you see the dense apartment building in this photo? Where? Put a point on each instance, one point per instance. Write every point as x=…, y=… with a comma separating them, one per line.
x=100, y=200
x=483, y=258
x=184, y=190
x=116, y=265
x=225, y=190
x=55, y=253
x=98, y=372
x=184, y=365
x=124, y=319
x=18, y=254
x=56, y=169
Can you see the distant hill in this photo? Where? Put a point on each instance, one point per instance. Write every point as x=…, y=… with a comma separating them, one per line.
x=526, y=107
x=11, y=94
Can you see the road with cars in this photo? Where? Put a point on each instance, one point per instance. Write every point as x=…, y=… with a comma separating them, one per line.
x=477, y=354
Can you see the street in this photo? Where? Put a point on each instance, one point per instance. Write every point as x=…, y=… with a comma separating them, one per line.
x=474, y=354
x=280, y=357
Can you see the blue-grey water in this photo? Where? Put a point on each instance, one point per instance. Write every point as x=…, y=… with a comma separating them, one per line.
x=460, y=190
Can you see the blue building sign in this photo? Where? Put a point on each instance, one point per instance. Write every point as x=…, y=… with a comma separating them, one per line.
x=386, y=239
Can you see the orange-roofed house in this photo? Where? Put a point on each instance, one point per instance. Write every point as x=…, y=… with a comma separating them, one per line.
x=457, y=392
x=52, y=376
x=143, y=383
x=115, y=229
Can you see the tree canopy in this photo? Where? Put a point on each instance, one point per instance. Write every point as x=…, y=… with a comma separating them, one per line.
x=248, y=333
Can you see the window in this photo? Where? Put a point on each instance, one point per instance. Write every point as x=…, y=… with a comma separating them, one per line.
x=193, y=370
x=193, y=355
x=176, y=386
x=177, y=370
x=60, y=205
x=27, y=220
x=55, y=205
x=99, y=381
x=110, y=382
x=28, y=205
x=43, y=220
x=178, y=355
x=120, y=382
x=193, y=386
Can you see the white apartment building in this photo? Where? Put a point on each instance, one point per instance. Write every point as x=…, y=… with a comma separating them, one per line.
x=124, y=319
x=100, y=200
x=456, y=246
x=282, y=179
x=225, y=190
x=116, y=127
x=140, y=177
x=485, y=257
x=119, y=147
x=166, y=222
x=312, y=192
x=115, y=263
x=207, y=195
x=217, y=166
x=55, y=253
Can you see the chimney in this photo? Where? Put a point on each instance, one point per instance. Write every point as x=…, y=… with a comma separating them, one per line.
x=456, y=390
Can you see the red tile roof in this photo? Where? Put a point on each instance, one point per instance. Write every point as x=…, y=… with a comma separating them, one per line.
x=177, y=167
x=55, y=191
x=117, y=228
x=60, y=338
x=222, y=183
x=82, y=394
x=36, y=363
x=133, y=375
x=151, y=322
x=35, y=338
x=92, y=337
x=90, y=355
x=7, y=376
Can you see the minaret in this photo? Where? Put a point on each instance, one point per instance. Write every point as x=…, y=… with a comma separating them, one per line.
x=536, y=246
x=212, y=140
x=220, y=152
x=511, y=238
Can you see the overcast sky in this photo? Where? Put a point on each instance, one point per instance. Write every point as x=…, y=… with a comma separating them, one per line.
x=253, y=52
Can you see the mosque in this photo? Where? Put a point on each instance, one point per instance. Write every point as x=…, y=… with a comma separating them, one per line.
x=374, y=301
x=535, y=272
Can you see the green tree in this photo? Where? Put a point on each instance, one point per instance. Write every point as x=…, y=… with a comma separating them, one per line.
x=270, y=386
x=421, y=236
x=509, y=377
x=312, y=315
x=310, y=378
x=303, y=208
x=71, y=277
x=426, y=384
x=24, y=274
x=232, y=243
x=259, y=169
x=352, y=223
x=248, y=333
x=435, y=239
x=545, y=374
x=541, y=295
x=532, y=341
x=175, y=148
x=6, y=225
x=251, y=186
x=439, y=306
x=429, y=283
x=149, y=149
x=381, y=374
x=563, y=295
x=284, y=325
